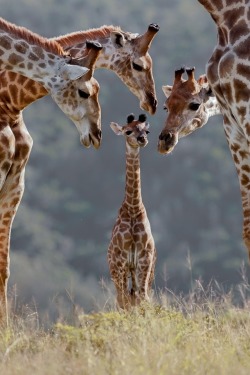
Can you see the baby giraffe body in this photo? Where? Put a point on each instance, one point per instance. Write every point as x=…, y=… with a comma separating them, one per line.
x=132, y=251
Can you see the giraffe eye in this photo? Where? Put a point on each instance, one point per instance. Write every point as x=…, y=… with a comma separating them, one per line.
x=137, y=67
x=147, y=131
x=194, y=106
x=165, y=108
x=128, y=132
x=83, y=94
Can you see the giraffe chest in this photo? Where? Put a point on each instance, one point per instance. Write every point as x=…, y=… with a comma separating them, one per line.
x=229, y=82
x=130, y=234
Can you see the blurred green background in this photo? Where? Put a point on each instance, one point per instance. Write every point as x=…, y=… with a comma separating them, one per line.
x=62, y=229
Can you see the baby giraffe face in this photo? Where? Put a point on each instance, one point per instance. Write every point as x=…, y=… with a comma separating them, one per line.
x=135, y=131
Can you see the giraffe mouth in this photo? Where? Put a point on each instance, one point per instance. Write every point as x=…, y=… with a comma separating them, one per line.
x=167, y=142
x=92, y=139
x=149, y=104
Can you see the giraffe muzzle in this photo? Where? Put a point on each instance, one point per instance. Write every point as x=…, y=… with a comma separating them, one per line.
x=150, y=104
x=167, y=142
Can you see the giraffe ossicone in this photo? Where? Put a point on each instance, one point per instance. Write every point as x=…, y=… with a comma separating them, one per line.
x=131, y=252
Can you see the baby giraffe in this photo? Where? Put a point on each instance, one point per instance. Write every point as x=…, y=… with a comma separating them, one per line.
x=131, y=250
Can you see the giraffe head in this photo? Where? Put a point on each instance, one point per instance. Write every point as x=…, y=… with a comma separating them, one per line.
x=135, y=131
x=133, y=64
x=189, y=104
x=77, y=95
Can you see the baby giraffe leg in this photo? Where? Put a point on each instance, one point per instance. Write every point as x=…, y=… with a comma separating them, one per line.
x=145, y=274
x=120, y=279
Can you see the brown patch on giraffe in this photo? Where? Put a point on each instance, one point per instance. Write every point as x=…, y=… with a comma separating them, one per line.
x=243, y=154
x=21, y=47
x=15, y=59
x=235, y=147
x=241, y=91
x=38, y=51
x=6, y=42
x=247, y=127
x=13, y=92
x=241, y=28
x=246, y=168
x=242, y=112
x=32, y=56
x=5, y=166
x=236, y=159
x=242, y=50
x=15, y=201
x=243, y=70
x=244, y=179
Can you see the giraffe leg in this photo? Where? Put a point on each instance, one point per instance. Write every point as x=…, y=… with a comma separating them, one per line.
x=145, y=273
x=10, y=197
x=152, y=273
x=120, y=279
x=239, y=147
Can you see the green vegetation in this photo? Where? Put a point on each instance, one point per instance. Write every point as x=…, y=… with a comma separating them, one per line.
x=183, y=337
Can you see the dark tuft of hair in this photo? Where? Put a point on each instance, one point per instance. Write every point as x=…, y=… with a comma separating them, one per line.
x=94, y=45
x=130, y=118
x=142, y=117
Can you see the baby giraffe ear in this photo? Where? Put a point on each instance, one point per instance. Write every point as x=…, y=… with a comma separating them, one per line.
x=117, y=129
x=167, y=90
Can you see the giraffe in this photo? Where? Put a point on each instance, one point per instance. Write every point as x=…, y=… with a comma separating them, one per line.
x=190, y=103
x=228, y=76
x=45, y=61
x=125, y=53
x=131, y=251
x=79, y=97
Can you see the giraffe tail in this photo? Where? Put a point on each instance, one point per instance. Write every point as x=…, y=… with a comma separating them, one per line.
x=133, y=285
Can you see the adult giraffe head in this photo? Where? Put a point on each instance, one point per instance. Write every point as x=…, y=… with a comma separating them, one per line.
x=189, y=104
x=134, y=66
x=80, y=99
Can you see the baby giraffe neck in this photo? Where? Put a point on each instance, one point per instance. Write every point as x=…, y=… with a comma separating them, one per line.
x=133, y=199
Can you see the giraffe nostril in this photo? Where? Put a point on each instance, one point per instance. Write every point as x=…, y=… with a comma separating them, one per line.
x=161, y=137
x=168, y=137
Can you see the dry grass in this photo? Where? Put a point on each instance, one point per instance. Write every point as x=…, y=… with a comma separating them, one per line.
x=204, y=334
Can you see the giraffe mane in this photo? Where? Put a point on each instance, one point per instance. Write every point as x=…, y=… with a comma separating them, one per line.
x=90, y=34
x=31, y=37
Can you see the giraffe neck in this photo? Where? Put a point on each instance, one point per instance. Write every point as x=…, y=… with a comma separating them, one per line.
x=75, y=42
x=227, y=13
x=213, y=107
x=26, y=53
x=18, y=91
x=133, y=198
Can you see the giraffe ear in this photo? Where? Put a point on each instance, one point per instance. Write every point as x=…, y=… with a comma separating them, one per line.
x=73, y=72
x=167, y=90
x=117, y=39
x=117, y=129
